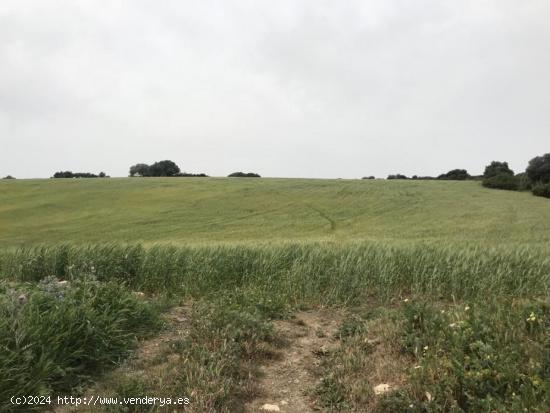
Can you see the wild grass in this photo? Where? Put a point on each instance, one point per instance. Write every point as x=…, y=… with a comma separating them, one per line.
x=249, y=251
x=239, y=288
x=214, y=361
x=54, y=337
x=368, y=355
x=315, y=273
x=225, y=345
x=477, y=357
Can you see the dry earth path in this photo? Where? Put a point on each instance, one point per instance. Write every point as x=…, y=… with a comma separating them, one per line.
x=286, y=381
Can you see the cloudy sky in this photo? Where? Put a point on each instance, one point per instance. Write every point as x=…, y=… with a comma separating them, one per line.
x=285, y=88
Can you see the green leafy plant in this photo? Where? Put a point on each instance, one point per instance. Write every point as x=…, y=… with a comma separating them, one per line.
x=56, y=336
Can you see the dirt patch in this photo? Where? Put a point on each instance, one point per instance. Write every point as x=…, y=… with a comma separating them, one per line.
x=286, y=381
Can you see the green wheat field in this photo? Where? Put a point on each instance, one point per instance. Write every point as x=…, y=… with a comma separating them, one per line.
x=438, y=289
x=191, y=210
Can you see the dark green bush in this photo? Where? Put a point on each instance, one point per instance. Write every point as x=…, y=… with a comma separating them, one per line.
x=497, y=168
x=244, y=175
x=542, y=190
x=455, y=175
x=501, y=181
x=539, y=169
x=524, y=183
x=69, y=174
x=161, y=168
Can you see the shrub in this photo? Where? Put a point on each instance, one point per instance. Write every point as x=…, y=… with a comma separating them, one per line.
x=524, y=183
x=8, y=177
x=538, y=173
x=244, y=175
x=139, y=169
x=502, y=181
x=497, y=168
x=69, y=174
x=542, y=190
x=190, y=175
x=539, y=169
x=164, y=168
x=368, y=177
x=397, y=176
x=161, y=168
x=455, y=175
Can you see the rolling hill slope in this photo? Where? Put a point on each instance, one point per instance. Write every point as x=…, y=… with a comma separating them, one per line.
x=219, y=209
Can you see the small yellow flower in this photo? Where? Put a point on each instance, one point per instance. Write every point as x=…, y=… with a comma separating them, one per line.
x=466, y=308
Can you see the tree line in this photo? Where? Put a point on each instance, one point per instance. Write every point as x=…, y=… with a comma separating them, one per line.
x=452, y=175
x=169, y=168
x=536, y=177
x=69, y=174
x=498, y=175
x=165, y=168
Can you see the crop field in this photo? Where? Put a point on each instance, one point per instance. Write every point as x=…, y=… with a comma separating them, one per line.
x=192, y=210
x=289, y=295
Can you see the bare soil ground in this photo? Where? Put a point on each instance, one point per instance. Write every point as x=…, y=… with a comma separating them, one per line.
x=287, y=380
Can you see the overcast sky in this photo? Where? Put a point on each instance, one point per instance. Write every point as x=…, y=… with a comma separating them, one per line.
x=284, y=88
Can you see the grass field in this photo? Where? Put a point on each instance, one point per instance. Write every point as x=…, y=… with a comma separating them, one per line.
x=227, y=290
x=210, y=209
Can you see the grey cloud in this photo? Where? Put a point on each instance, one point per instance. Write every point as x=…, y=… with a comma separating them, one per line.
x=286, y=88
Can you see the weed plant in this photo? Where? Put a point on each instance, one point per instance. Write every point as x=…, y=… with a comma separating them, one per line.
x=55, y=336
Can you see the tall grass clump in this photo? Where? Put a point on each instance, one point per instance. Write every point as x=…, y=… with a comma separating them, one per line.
x=222, y=351
x=441, y=357
x=54, y=336
x=313, y=272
